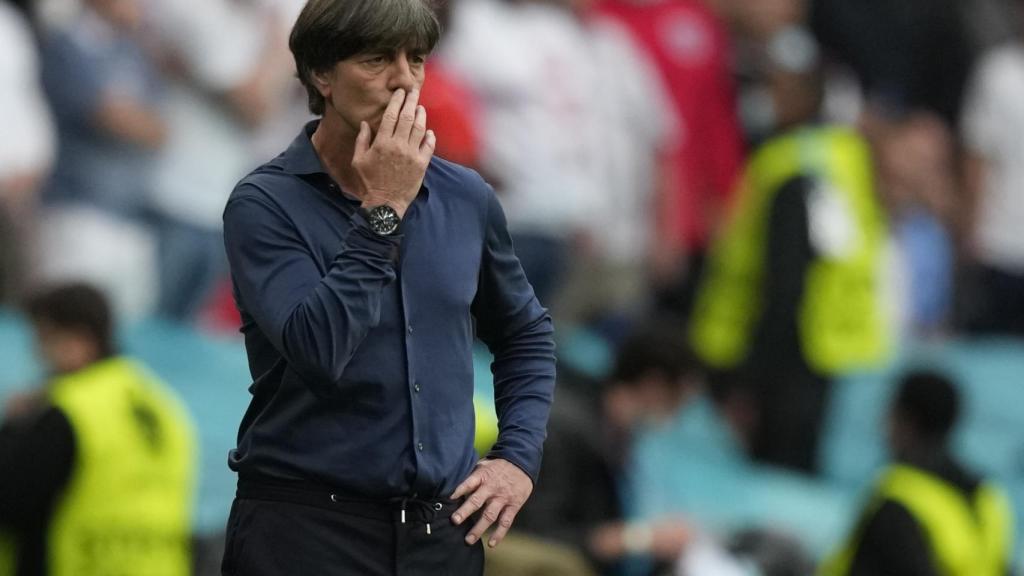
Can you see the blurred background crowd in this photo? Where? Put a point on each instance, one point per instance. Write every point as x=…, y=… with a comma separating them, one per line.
x=749, y=218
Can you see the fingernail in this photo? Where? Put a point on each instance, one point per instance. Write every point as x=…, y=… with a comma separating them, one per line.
x=492, y=543
x=457, y=518
x=470, y=539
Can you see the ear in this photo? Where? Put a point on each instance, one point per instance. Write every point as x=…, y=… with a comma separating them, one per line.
x=322, y=81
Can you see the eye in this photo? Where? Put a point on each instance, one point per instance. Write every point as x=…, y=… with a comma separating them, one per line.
x=417, y=59
x=375, y=60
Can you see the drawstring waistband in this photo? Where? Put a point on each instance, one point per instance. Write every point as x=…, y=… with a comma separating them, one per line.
x=410, y=508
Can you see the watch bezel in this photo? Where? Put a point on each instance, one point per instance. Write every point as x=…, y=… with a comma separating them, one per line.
x=383, y=220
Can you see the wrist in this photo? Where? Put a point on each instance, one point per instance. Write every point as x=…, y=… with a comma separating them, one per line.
x=371, y=201
x=382, y=219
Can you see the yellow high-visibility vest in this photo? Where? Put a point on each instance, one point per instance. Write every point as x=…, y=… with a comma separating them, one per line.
x=967, y=536
x=842, y=322
x=127, y=508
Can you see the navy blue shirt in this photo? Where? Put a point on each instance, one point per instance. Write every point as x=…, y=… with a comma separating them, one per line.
x=360, y=346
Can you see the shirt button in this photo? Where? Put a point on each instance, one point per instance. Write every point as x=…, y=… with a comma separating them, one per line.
x=419, y=446
x=410, y=329
x=416, y=387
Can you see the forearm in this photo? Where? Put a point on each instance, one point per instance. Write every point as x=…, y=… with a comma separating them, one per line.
x=316, y=321
x=128, y=121
x=524, y=382
x=326, y=328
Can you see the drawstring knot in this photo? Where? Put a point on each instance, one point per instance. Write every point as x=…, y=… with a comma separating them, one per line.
x=425, y=510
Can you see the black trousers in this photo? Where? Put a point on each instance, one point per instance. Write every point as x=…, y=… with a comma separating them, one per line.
x=284, y=532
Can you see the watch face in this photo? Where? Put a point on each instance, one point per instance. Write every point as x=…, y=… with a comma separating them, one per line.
x=383, y=220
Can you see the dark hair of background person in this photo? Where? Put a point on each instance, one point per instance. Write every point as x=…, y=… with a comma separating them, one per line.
x=27, y=9
x=929, y=403
x=23, y=5
x=77, y=307
x=329, y=31
x=654, y=349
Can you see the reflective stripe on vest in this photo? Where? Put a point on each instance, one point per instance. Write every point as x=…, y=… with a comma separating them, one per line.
x=967, y=537
x=841, y=320
x=128, y=505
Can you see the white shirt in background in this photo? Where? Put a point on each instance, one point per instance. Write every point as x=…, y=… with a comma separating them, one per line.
x=524, y=63
x=27, y=140
x=993, y=127
x=633, y=123
x=208, y=150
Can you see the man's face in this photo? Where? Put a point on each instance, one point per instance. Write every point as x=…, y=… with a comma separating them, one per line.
x=360, y=87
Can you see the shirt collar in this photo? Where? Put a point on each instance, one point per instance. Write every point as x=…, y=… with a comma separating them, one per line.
x=301, y=158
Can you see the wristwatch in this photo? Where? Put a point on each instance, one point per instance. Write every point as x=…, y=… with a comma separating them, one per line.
x=383, y=220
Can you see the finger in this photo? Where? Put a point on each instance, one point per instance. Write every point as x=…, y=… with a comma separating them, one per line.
x=407, y=116
x=474, y=502
x=419, y=127
x=489, y=516
x=508, y=516
x=468, y=485
x=390, y=118
x=428, y=145
x=362, y=140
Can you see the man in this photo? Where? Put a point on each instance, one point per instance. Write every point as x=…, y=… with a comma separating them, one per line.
x=929, y=515
x=793, y=293
x=363, y=268
x=97, y=466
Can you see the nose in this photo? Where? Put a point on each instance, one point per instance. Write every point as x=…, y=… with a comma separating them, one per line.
x=402, y=74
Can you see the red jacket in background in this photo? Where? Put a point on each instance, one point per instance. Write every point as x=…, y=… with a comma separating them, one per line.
x=690, y=46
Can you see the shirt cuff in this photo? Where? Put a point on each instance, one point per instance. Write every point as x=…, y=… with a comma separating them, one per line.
x=363, y=237
x=530, y=466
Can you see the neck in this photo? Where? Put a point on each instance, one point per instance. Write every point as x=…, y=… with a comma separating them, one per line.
x=335, y=143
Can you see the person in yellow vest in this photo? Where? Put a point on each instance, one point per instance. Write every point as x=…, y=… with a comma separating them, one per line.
x=96, y=467
x=792, y=295
x=929, y=515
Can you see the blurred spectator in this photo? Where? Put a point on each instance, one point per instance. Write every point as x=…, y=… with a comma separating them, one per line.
x=98, y=462
x=632, y=155
x=691, y=49
x=453, y=106
x=910, y=55
x=576, y=502
x=993, y=126
x=928, y=515
x=105, y=93
x=26, y=144
x=916, y=164
x=535, y=112
x=453, y=115
x=220, y=58
x=792, y=295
